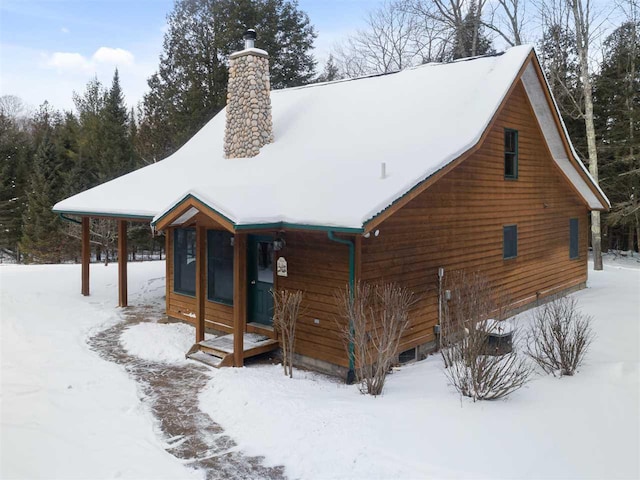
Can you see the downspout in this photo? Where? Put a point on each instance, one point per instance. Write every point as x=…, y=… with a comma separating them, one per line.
x=69, y=219
x=351, y=374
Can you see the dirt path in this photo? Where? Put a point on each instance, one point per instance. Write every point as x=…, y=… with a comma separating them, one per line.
x=171, y=391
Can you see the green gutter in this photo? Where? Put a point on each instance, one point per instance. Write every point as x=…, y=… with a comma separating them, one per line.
x=299, y=226
x=68, y=219
x=352, y=280
x=104, y=214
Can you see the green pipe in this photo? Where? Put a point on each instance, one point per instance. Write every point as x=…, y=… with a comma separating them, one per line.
x=351, y=374
x=69, y=219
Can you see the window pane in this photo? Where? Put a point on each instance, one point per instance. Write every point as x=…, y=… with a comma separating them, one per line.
x=264, y=258
x=573, y=238
x=510, y=241
x=510, y=153
x=220, y=266
x=184, y=261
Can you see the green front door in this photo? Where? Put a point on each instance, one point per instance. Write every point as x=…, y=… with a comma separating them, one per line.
x=260, y=276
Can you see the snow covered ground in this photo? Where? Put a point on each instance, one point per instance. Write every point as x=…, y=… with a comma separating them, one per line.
x=66, y=413
x=586, y=426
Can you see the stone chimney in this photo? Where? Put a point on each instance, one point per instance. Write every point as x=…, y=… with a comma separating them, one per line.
x=249, y=125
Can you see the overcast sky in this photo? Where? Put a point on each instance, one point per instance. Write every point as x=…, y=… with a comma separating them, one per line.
x=49, y=48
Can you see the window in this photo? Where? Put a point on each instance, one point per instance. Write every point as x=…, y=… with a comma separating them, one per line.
x=220, y=267
x=509, y=241
x=510, y=153
x=184, y=261
x=573, y=238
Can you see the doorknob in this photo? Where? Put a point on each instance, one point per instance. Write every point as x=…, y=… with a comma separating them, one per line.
x=253, y=282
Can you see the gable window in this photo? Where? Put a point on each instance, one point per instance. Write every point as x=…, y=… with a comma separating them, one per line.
x=573, y=238
x=510, y=153
x=184, y=261
x=509, y=241
x=220, y=267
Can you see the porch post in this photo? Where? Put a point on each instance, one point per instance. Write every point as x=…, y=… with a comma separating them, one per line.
x=86, y=256
x=122, y=263
x=239, y=296
x=201, y=280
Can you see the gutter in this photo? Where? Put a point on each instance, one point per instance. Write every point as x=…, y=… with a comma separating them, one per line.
x=69, y=219
x=351, y=375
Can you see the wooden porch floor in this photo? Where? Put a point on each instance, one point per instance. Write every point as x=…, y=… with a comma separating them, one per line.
x=218, y=352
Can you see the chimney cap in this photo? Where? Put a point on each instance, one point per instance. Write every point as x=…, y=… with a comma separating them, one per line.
x=250, y=34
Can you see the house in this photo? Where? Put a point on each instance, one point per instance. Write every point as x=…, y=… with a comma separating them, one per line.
x=464, y=165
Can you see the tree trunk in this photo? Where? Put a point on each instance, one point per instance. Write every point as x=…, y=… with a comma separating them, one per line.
x=582, y=43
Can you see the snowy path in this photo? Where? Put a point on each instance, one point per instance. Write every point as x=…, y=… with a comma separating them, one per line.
x=171, y=391
x=65, y=412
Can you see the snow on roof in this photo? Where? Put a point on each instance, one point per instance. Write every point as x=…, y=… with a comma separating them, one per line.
x=324, y=166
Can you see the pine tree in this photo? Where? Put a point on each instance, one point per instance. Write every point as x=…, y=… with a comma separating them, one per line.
x=190, y=85
x=42, y=240
x=331, y=71
x=15, y=152
x=559, y=60
x=471, y=39
x=116, y=155
x=617, y=109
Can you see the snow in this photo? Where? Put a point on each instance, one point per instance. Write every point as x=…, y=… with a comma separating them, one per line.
x=159, y=342
x=330, y=140
x=586, y=426
x=66, y=413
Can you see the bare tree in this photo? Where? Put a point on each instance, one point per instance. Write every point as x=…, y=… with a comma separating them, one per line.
x=507, y=18
x=462, y=18
x=376, y=318
x=583, y=20
x=392, y=41
x=559, y=337
x=286, y=311
x=467, y=323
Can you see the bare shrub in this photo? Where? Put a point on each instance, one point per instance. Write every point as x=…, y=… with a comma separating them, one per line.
x=559, y=336
x=286, y=311
x=376, y=319
x=466, y=325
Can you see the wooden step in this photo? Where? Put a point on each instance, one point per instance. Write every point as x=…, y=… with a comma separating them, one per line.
x=205, y=358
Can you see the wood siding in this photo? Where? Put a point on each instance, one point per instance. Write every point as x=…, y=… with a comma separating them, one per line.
x=457, y=223
x=320, y=268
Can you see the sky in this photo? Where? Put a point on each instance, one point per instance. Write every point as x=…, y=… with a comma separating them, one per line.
x=50, y=48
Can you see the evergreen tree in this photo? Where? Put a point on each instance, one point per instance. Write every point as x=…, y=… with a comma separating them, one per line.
x=86, y=170
x=617, y=109
x=331, y=71
x=471, y=39
x=116, y=154
x=42, y=240
x=15, y=152
x=559, y=60
x=190, y=85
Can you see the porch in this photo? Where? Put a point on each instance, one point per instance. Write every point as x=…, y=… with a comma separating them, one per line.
x=218, y=352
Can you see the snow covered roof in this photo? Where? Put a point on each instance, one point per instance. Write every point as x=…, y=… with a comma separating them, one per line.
x=324, y=167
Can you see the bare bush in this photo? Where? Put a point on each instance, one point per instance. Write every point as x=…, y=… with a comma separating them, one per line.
x=466, y=326
x=376, y=319
x=286, y=311
x=559, y=336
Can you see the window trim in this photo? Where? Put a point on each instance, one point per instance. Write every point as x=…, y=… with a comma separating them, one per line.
x=514, y=153
x=576, y=221
x=175, y=270
x=210, y=297
x=504, y=244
